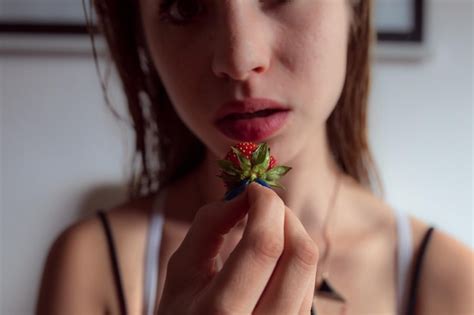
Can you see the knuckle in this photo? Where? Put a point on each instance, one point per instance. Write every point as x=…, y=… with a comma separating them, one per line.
x=305, y=252
x=275, y=201
x=267, y=246
x=270, y=199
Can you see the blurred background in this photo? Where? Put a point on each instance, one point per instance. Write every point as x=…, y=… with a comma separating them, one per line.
x=63, y=155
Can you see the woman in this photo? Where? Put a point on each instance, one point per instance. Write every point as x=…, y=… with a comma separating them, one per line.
x=326, y=244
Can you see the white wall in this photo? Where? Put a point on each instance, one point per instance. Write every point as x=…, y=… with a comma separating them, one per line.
x=421, y=123
x=63, y=155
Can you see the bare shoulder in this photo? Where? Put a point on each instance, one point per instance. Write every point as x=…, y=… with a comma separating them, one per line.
x=446, y=284
x=77, y=277
x=72, y=272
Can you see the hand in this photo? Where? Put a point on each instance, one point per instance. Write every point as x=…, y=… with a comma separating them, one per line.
x=272, y=269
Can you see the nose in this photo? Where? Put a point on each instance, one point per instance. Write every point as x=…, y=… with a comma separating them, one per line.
x=240, y=47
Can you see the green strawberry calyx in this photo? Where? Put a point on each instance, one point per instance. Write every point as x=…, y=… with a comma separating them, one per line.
x=257, y=167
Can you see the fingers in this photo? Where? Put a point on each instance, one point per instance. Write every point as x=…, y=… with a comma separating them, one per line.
x=246, y=272
x=287, y=290
x=305, y=308
x=197, y=253
x=272, y=269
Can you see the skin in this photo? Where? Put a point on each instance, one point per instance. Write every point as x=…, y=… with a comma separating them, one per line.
x=220, y=57
x=297, y=58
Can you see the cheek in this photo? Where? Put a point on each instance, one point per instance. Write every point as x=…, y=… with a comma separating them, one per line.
x=171, y=57
x=180, y=74
x=170, y=63
x=317, y=59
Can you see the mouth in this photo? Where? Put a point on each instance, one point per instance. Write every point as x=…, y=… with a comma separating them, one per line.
x=248, y=108
x=251, y=119
x=255, y=127
x=260, y=113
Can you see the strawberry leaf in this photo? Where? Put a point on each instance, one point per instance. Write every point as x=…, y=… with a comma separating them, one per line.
x=263, y=159
x=274, y=184
x=228, y=167
x=279, y=171
x=243, y=161
x=266, y=159
x=259, y=169
x=228, y=177
x=258, y=156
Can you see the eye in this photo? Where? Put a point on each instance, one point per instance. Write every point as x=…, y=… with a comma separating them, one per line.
x=180, y=11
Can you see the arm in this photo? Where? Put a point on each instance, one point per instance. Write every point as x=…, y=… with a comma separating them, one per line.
x=447, y=280
x=70, y=277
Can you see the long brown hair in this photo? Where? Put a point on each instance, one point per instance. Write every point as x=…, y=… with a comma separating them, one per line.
x=167, y=149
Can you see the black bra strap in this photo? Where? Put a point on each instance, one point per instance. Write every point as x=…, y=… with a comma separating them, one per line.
x=114, y=261
x=417, y=271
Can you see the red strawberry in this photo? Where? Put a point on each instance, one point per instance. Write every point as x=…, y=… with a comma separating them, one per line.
x=272, y=162
x=251, y=162
x=247, y=149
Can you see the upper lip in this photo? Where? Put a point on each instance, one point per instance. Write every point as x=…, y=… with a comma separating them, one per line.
x=248, y=105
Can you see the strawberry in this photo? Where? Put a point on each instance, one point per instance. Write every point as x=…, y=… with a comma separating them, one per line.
x=247, y=149
x=246, y=162
x=272, y=162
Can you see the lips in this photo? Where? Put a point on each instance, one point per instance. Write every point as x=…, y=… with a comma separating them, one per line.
x=246, y=106
x=251, y=120
x=260, y=113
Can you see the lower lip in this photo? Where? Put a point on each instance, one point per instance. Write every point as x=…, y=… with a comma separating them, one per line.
x=253, y=129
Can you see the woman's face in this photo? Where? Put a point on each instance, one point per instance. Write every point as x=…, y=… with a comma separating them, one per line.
x=209, y=52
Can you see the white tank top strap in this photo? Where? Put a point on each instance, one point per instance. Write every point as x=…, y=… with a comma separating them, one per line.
x=404, y=256
x=155, y=232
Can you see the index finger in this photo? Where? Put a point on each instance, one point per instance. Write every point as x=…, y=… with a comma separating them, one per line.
x=245, y=274
x=204, y=238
